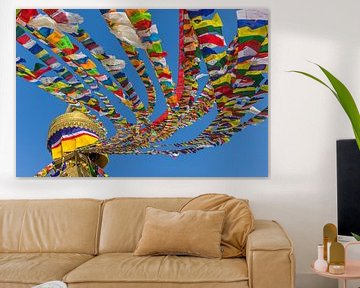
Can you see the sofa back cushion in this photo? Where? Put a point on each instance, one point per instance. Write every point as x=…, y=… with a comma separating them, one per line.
x=193, y=233
x=32, y=226
x=238, y=224
x=123, y=220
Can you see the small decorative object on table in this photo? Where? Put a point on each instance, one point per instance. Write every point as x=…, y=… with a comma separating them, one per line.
x=329, y=236
x=340, y=267
x=51, y=284
x=320, y=264
x=337, y=258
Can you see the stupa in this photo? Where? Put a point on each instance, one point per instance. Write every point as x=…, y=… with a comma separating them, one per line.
x=68, y=135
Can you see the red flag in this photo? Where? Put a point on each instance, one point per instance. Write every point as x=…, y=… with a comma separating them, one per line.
x=212, y=39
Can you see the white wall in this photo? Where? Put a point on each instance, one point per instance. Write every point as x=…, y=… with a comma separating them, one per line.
x=305, y=121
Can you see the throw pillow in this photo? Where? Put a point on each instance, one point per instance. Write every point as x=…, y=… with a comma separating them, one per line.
x=238, y=223
x=196, y=233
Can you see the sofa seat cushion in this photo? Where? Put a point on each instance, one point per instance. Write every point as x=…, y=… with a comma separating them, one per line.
x=36, y=268
x=125, y=267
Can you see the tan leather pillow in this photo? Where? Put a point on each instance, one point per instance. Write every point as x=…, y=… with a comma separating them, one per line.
x=238, y=224
x=196, y=233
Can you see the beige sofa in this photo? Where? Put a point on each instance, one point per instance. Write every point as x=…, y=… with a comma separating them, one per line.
x=89, y=243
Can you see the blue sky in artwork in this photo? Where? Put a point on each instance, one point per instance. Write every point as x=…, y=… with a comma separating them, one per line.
x=246, y=155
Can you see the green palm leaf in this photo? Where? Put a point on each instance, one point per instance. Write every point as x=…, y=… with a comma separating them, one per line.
x=357, y=237
x=344, y=97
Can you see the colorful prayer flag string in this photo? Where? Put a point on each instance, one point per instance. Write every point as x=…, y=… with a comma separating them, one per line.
x=235, y=81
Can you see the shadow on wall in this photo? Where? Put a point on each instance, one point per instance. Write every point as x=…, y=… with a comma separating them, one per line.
x=315, y=281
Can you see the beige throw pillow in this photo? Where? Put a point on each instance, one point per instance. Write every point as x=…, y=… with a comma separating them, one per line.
x=194, y=232
x=238, y=223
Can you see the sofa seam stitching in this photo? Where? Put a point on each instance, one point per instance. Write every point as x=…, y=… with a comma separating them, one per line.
x=98, y=228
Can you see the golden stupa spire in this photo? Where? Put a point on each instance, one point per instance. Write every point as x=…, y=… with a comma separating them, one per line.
x=68, y=136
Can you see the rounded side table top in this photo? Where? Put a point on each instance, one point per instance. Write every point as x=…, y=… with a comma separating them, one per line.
x=352, y=271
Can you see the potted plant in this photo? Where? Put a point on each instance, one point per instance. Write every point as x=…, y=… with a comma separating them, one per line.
x=346, y=100
x=357, y=237
x=344, y=97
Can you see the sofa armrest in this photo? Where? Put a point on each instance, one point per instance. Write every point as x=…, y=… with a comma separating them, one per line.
x=269, y=256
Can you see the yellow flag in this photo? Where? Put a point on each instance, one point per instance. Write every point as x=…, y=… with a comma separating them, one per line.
x=215, y=22
x=247, y=31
